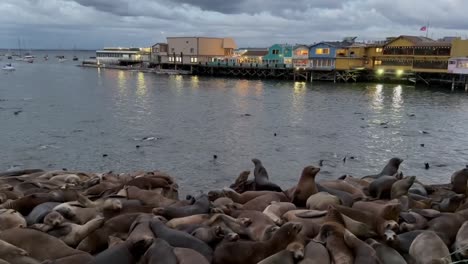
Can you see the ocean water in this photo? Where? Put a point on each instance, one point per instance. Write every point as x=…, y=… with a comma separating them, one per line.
x=56, y=115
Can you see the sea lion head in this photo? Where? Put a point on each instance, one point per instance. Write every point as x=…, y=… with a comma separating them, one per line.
x=288, y=230
x=297, y=249
x=53, y=219
x=256, y=162
x=390, y=236
x=269, y=232
x=328, y=229
x=215, y=194
x=112, y=204
x=390, y=225
x=231, y=236
x=158, y=211
x=66, y=210
x=395, y=161
x=244, y=221
x=310, y=171
x=10, y=218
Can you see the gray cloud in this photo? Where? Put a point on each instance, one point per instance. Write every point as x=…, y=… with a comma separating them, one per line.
x=97, y=23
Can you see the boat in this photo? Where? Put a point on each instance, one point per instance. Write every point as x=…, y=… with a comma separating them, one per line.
x=75, y=58
x=46, y=57
x=8, y=67
x=28, y=58
x=61, y=58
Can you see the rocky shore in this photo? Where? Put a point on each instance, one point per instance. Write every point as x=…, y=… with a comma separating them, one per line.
x=79, y=217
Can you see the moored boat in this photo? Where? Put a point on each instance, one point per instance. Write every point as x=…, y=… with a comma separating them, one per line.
x=8, y=67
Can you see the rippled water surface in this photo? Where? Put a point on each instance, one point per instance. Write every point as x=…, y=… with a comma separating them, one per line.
x=71, y=116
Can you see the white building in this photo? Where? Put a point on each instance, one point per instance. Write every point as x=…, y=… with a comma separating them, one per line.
x=458, y=65
x=123, y=56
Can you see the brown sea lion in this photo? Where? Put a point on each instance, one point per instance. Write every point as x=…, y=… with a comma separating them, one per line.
x=160, y=252
x=401, y=187
x=340, y=185
x=10, y=218
x=356, y=182
x=39, y=245
x=390, y=169
x=26, y=204
x=188, y=220
x=412, y=221
x=293, y=253
x=363, y=253
x=252, y=252
x=261, y=178
x=211, y=235
x=447, y=226
x=461, y=241
x=378, y=224
x=381, y=187
x=188, y=256
x=277, y=209
x=117, y=226
x=145, y=183
x=201, y=206
x=13, y=254
x=140, y=229
x=428, y=248
x=315, y=253
x=242, y=183
x=388, y=211
x=386, y=254
x=459, y=181
x=306, y=186
x=128, y=252
x=451, y=204
x=321, y=201
x=259, y=226
x=260, y=203
x=245, y=197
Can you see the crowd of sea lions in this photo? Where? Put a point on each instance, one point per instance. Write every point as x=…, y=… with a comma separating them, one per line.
x=67, y=217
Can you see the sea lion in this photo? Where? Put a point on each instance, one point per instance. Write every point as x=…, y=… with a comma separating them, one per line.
x=450, y=204
x=159, y=252
x=447, y=226
x=306, y=186
x=282, y=257
x=321, y=201
x=345, y=198
x=343, y=186
x=412, y=221
x=459, y=181
x=76, y=213
x=401, y=242
x=201, y=206
x=245, y=197
x=128, y=252
x=427, y=247
x=210, y=235
x=388, y=211
x=10, y=218
x=386, y=255
x=39, y=245
x=145, y=183
x=401, y=187
x=262, y=182
x=242, y=183
x=260, y=203
x=177, y=238
x=188, y=220
x=189, y=256
x=378, y=224
x=117, y=226
x=252, y=252
x=70, y=233
x=259, y=226
x=140, y=228
x=356, y=182
x=148, y=197
x=418, y=189
x=461, y=241
x=20, y=172
x=277, y=209
x=381, y=187
x=39, y=212
x=363, y=253
x=12, y=254
x=315, y=253
x=390, y=169
x=24, y=205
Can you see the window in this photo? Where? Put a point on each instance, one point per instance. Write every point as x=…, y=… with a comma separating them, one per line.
x=192, y=50
x=193, y=59
x=378, y=50
x=171, y=59
x=341, y=52
x=178, y=59
x=322, y=51
x=275, y=52
x=378, y=62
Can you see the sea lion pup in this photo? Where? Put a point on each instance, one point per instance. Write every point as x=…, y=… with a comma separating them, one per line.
x=262, y=182
x=378, y=224
x=381, y=188
x=332, y=235
x=427, y=247
x=117, y=226
x=401, y=187
x=315, y=253
x=459, y=181
x=10, y=218
x=159, y=252
x=242, y=183
x=388, y=211
x=252, y=252
x=201, y=206
x=277, y=209
x=306, y=186
x=321, y=201
x=363, y=253
x=178, y=238
x=39, y=212
x=356, y=193
x=243, y=198
x=386, y=255
x=39, y=245
x=389, y=170
x=412, y=221
x=70, y=233
x=189, y=256
x=259, y=226
x=128, y=252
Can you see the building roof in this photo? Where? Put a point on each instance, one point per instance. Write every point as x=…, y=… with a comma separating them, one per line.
x=335, y=44
x=415, y=39
x=255, y=53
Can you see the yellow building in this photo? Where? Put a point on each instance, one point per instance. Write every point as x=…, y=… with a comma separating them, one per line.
x=352, y=57
x=412, y=54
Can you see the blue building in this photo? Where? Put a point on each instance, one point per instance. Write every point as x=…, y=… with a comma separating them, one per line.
x=322, y=56
x=279, y=54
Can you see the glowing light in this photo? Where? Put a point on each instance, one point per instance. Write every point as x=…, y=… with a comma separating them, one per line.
x=297, y=68
x=399, y=72
x=380, y=71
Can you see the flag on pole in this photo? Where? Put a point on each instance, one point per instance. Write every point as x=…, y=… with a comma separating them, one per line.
x=423, y=28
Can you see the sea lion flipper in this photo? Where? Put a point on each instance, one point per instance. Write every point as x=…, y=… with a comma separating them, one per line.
x=311, y=214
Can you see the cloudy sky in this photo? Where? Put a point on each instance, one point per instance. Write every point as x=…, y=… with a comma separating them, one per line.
x=93, y=24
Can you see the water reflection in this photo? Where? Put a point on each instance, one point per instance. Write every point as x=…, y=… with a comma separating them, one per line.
x=397, y=99
x=195, y=82
x=242, y=88
x=122, y=81
x=298, y=97
x=179, y=84
x=141, y=85
x=378, y=97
